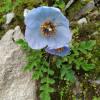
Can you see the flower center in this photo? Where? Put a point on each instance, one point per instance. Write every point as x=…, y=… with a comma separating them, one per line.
x=59, y=49
x=48, y=28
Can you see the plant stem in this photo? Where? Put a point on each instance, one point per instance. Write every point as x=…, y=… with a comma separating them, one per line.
x=49, y=2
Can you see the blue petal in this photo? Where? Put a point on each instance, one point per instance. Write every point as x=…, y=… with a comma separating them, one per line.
x=34, y=39
x=41, y=14
x=30, y=19
x=62, y=37
x=36, y=17
x=61, y=20
x=65, y=52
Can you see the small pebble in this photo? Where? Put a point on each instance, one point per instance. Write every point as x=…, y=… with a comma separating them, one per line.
x=82, y=21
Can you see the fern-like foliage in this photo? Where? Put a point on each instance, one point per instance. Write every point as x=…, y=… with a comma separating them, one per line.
x=48, y=71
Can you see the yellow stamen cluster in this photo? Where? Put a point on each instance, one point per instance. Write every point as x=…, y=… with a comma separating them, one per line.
x=48, y=28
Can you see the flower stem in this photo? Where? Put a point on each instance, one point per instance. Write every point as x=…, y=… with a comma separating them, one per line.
x=49, y=2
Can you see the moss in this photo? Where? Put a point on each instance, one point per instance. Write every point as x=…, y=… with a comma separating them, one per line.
x=2, y=33
x=88, y=29
x=2, y=20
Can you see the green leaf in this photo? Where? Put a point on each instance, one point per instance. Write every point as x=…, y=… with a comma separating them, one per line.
x=78, y=63
x=45, y=91
x=67, y=74
x=47, y=80
x=37, y=74
x=44, y=69
x=22, y=43
x=46, y=88
x=87, y=45
x=87, y=67
x=71, y=58
x=58, y=63
x=60, y=4
x=29, y=67
x=50, y=72
x=45, y=96
x=90, y=44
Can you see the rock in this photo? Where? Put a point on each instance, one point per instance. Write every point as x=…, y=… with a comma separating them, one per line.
x=9, y=17
x=82, y=21
x=14, y=83
x=26, y=11
x=97, y=82
x=85, y=10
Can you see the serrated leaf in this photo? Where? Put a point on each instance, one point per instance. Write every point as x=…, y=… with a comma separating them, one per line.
x=22, y=43
x=71, y=59
x=87, y=67
x=60, y=4
x=90, y=44
x=29, y=67
x=67, y=74
x=87, y=45
x=47, y=80
x=37, y=74
x=78, y=63
x=58, y=63
x=50, y=72
x=46, y=88
x=45, y=96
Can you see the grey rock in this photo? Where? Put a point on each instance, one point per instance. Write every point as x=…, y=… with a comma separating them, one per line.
x=9, y=17
x=14, y=83
x=85, y=10
x=26, y=11
x=97, y=82
x=82, y=21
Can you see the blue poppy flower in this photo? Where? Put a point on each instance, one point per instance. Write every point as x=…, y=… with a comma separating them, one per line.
x=59, y=51
x=47, y=26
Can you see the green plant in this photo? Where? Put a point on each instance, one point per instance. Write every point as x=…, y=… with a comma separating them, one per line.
x=42, y=71
x=82, y=54
x=60, y=4
x=9, y=5
x=96, y=98
x=44, y=68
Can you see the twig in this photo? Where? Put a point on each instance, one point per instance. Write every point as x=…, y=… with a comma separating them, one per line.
x=69, y=4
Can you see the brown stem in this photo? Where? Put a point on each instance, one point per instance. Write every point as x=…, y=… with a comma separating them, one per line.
x=49, y=2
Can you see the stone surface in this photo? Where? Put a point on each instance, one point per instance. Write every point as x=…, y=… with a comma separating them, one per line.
x=85, y=10
x=14, y=83
x=26, y=11
x=9, y=17
x=82, y=21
